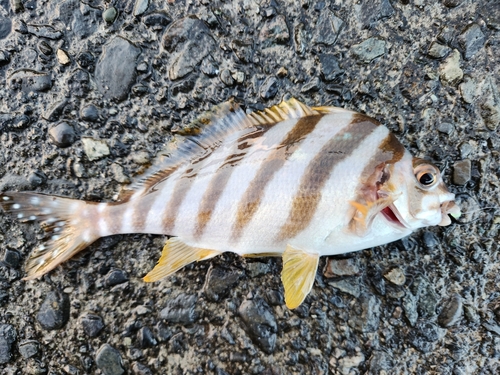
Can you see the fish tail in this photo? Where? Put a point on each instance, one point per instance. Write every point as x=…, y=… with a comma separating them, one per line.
x=69, y=223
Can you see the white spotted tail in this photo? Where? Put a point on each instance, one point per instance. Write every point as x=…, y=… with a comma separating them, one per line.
x=68, y=233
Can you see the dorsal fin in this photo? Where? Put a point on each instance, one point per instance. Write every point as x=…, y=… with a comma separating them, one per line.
x=206, y=133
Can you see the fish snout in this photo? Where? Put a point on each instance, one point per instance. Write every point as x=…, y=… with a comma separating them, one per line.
x=449, y=208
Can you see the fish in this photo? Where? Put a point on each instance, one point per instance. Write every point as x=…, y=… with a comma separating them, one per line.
x=293, y=181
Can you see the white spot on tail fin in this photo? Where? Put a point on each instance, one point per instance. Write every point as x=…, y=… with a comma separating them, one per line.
x=35, y=201
x=32, y=217
x=20, y=216
x=6, y=198
x=16, y=206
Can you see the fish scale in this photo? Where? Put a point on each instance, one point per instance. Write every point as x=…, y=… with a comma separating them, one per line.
x=292, y=180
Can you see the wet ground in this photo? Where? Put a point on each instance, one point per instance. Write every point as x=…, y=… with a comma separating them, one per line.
x=89, y=93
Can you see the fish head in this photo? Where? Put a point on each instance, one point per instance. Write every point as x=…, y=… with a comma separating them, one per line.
x=422, y=198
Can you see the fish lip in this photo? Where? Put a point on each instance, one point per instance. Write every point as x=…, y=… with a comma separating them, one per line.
x=391, y=214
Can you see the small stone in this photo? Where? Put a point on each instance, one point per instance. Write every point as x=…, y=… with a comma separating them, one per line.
x=156, y=20
x=446, y=35
x=95, y=149
x=92, y=324
x=140, y=157
x=396, y=276
x=142, y=67
x=209, y=68
x=445, y=128
x=465, y=149
x=17, y=6
x=140, y=369
x=452, y=3
x=425, y=336
x=330, y=68
x=54, y=311
x=45, y=48
x=119, y=174
x=462, y=172
x=145, y=338
x=29, y=348
x=238, y=76
x=471, y=40
x=409, y=304
x=468, y=90
x=452, y=311
x=365, y=316
x=11, y=258
x=109, y=360
x=349, y=362
x=312, y=85
x=341, y=267
x=226, y=77
x=86, y=60
x=62, y=57
x=62, y=134
x=257, y=269
x=369, y=49
x=141, y=6
x=259, y=323
x=109, y=15
x=54, y=112
x=44, y=31
x=115, y=277
x=282, y=72
x=243, y=50
x=219, y=282
x=490, y=11
x=5, y=27
x=450, y=72
x=438, y=51
x=274, y=31
x=347, y=286
x=4, y=58
x=8, y=336
x=29, y=80
x=115, y=72
x=89, y=113
x=180, y=310
x=327, y=28
x=430, y=239
x=189, y=41
x=269, y=88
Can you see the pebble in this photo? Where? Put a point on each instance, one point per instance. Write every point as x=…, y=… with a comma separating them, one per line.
x=44, y=31
x=243, y=50
x=365, y=315
x=347, y=286
x=140, y=7
x=219, y=283
x=8, y=336
x=109, y=360
x=375, y=10
x=452, y=3
x=62, y=57
x=330, y=69
x=312, y=85
x=145, y=338
x=181, y=310
x=115, y=277
x=62, y=134
x=430, y=240
x=425, y=335
x=468, y=89
x=119, y=174
x=54, y=311
x=29, y=80
x=491, y=14
x=140, y=369
x=462, y=172
x=465, y=149
x=226, y=77
x=427, y=300
x=471, y=40
x=45, y=48
x=269, y=88
x=349, y=362
x=369, y=49
x=17, y=5
x=274, y=31
x=55, y=111
x=259, y=323
x=94, y=148
x=115, y=72
x=238, y=76
x=157, y=20
x=89, y=113
x=257, y=269
x=11, y=258
x=4, y=57
x=450, y=71
x=5, y=27
x=445, y=128
x=438, y=51
x=86, y=60
x=29, y=348
x=452, y=311
x=189, y=41
x=109, y=15
x=327, y=28
x=341, y=267
x=396, y=276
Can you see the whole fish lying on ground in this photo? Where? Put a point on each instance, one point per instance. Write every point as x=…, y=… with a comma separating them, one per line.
x=292, y=180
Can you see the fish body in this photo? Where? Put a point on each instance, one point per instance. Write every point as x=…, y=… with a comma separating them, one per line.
x=292, y=180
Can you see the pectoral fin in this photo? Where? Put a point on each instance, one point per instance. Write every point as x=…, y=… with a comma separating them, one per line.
x=299, y=271
x=175, y=255
x=365, y=213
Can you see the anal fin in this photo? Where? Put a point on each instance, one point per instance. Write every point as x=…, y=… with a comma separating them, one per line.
x=175, y=255
x=299, y=272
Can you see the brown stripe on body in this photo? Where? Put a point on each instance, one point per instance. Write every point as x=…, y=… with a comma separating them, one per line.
x=317, y=173
x=180, y=191
x=220, y=179
x=274, y=162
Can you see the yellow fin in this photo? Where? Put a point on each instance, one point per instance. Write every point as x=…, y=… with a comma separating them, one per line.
x=286, y=110
x=299, y=271
x=365, y=212
x=175, y=255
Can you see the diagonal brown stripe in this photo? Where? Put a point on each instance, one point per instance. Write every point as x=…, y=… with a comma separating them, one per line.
x=221, y=178
x=253, y=195
x=337, y=149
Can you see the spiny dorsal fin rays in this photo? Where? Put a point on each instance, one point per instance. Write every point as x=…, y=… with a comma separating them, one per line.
x=289, y=109
x=327, y=110
x=175, y=255
x=298, y=274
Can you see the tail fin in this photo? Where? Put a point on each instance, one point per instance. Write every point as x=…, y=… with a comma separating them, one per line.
x=69, y=229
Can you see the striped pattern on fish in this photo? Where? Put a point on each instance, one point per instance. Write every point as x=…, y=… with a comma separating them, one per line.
x=301, y=181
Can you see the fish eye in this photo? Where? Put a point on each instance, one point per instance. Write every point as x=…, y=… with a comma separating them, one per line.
x=426, y=175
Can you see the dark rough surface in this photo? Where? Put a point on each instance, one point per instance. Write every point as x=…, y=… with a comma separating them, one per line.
x=158, y=64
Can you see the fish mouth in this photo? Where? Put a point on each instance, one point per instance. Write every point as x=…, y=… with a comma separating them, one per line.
x=449, y=212
x=391, y=214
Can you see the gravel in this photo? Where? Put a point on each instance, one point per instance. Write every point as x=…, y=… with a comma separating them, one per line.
x=91, y=91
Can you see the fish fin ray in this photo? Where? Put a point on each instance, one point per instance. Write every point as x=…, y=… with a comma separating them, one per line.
x=365, y=212
x=261, y=255
x=68, y=233
x=299, y=272
x=175, y=255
